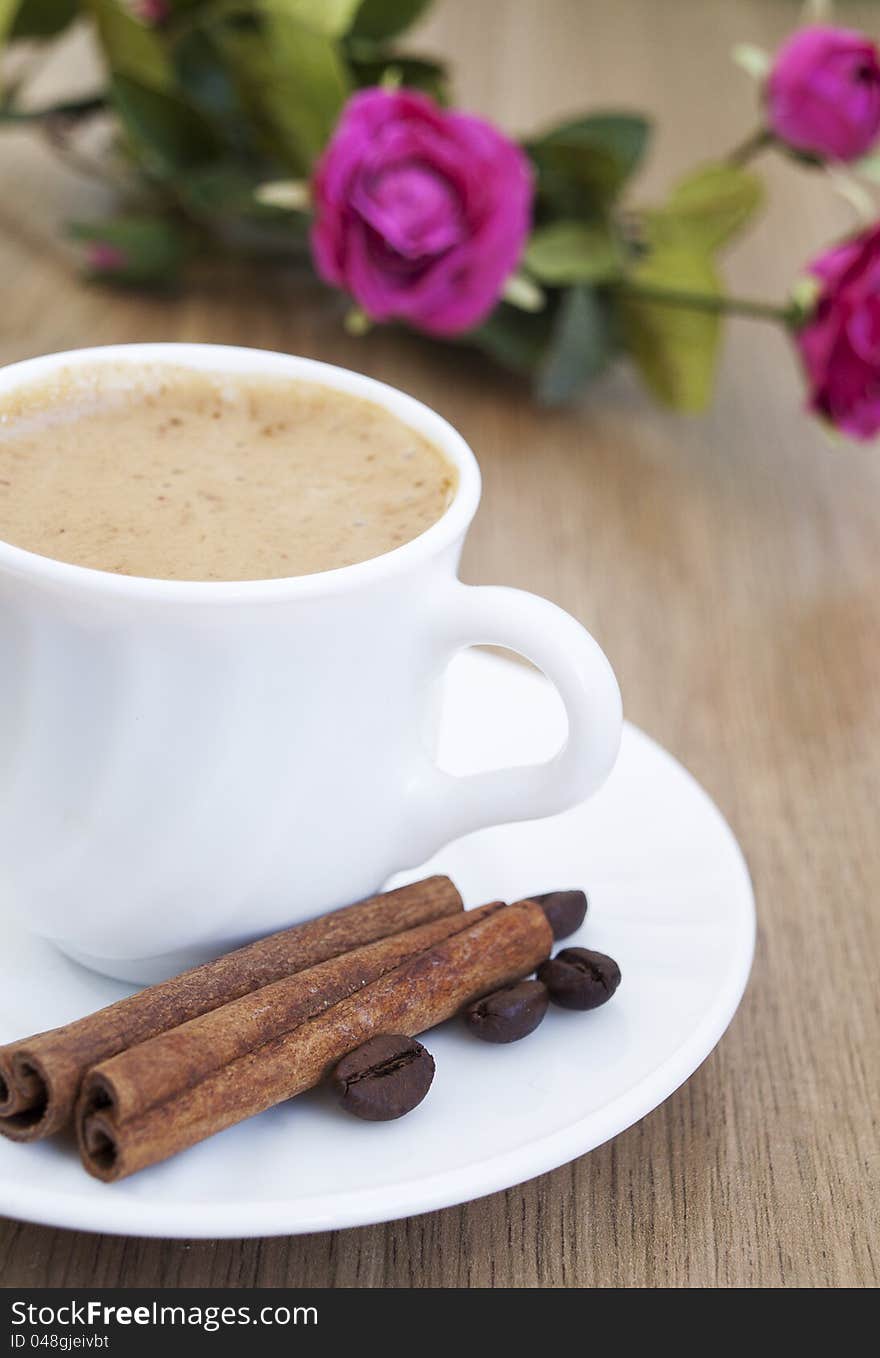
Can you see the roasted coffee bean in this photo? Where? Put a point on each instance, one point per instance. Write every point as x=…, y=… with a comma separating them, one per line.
x=565, y=910
x=384, y=1078
x=580, y=979
x=508, y=1014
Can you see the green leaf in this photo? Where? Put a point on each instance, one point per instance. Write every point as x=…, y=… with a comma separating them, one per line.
x=333, y=18
x=378, y=20
x=623, y=136
x=202, y=71
x=293, y=83
x=573, y=252
x=414, y=72
x=248, y=61
x=167, y=133
x=515, y=339
x=219, y=189
x=132, y=251
x=312, y=78
x=41, y=18
x=583, y=165
x=674, y=347
x=7, y=18
x=131, y=49
x=580, y=346
x=710, y=206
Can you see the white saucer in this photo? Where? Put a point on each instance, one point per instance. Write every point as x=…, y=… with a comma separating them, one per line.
x=670, y=899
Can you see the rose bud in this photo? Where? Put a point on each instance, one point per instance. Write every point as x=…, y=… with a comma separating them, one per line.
x=823, y=93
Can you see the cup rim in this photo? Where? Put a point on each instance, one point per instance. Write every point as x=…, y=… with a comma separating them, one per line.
x=225, y=359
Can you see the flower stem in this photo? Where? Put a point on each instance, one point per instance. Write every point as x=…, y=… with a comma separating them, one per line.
x=711, y=302
x=756, y=142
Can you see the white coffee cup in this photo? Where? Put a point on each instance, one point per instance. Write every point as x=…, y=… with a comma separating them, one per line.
x=185, y=765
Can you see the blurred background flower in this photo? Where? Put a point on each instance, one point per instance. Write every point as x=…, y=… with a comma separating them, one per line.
x=304, y=132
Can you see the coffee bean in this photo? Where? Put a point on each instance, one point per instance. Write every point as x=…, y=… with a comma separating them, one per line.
x=508, y=1014
x=565, y=910
x=580, y=979
x=384, y=1078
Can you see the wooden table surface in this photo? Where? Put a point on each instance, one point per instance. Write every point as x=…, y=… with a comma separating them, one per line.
x=730, y=566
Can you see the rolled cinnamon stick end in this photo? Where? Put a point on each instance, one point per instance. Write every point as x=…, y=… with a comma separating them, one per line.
x=119, y=1135
x=40, y=1076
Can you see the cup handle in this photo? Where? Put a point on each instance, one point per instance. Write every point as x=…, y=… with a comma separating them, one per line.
x=575, y=664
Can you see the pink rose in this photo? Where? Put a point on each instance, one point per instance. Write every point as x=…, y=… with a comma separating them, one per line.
x=823, y=94
x=840, y=344
x=421, y=214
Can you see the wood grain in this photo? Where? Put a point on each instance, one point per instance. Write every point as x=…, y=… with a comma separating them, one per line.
x=730, y=567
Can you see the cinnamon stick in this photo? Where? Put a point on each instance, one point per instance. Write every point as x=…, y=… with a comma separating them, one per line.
x=124, y=1125
x=158, y=1070
x=40, y=1076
